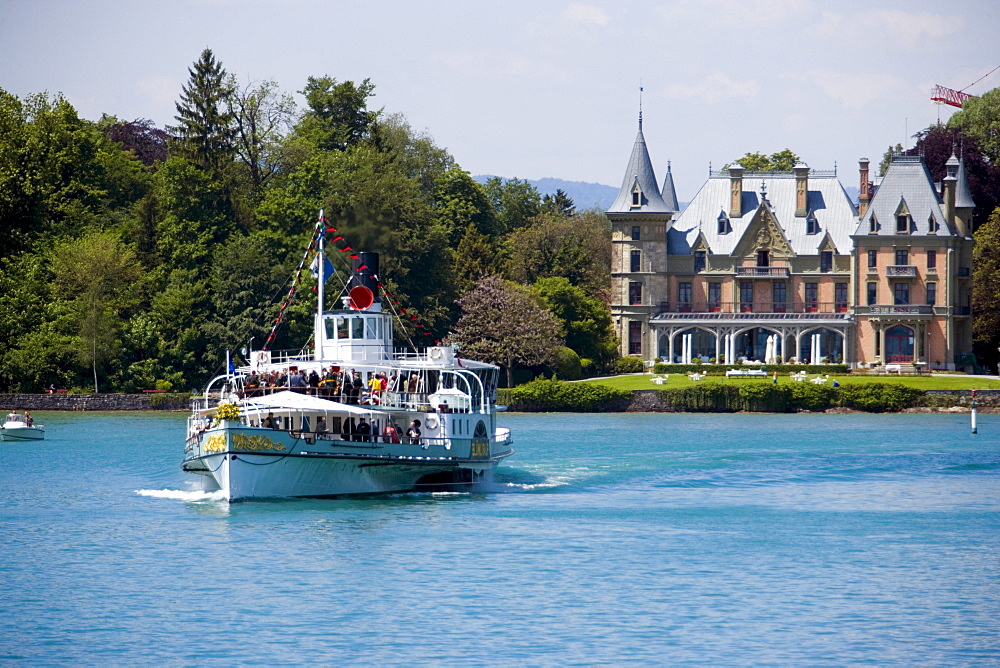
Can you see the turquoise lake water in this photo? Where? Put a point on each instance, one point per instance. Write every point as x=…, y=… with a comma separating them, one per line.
x=609, y=539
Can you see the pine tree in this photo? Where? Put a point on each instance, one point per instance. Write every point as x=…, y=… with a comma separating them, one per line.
x=205, y=129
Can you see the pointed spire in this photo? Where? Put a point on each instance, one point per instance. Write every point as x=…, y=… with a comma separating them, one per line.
x=639, y=191
x=963, y=194
x=668, y=193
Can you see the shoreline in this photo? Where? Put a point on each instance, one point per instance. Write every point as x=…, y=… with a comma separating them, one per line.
x=640, y=401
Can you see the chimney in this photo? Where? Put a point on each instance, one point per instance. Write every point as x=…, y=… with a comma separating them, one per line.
x=864, y=194
x=736, y=191
x=364, y=271
x=948, y=185
x=801, y=170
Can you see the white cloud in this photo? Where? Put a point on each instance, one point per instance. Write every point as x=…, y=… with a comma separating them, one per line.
x=854, y=91
x=578, y=12
x=715, y=87
x=159, y=90
x=890, y=28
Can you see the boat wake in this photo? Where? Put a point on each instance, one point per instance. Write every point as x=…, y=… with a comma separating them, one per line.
x=191, y=496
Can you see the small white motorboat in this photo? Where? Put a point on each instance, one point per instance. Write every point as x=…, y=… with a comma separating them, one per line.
x=15, y=428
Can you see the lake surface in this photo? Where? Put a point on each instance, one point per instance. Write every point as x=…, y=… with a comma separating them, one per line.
x=623, y=538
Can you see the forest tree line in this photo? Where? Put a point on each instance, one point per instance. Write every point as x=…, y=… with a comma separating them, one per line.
x=134, y=257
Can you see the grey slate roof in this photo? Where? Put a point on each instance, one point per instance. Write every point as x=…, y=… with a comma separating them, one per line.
x=669, y=193
x=963, y=196
x=640, y=170
x=825, y=199
x=907, y=180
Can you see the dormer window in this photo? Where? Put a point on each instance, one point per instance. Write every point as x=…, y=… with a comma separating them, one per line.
x=635, y=198
x=872, y=225
x=903, y=219
x=723, y=223
x=699, y=261
x=932, y=224
x=812, y=225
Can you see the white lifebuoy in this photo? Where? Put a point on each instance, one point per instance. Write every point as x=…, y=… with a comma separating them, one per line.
x=436, y=353
x=431, y=422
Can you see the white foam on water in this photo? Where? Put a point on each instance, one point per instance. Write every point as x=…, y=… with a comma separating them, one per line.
x=191, y=496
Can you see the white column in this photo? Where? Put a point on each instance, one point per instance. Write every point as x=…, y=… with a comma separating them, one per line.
x=670, y=346
x=716, y=332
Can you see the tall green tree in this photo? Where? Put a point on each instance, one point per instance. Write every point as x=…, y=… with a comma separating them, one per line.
x=98, y=274
x=986, y=289
x=459, y=202
x=585, y=322
x=980, y=117
x=262, y=117
x=515, y=202
x=560, y=204
x=205, y=127
x=758, y=162
x=337, y=114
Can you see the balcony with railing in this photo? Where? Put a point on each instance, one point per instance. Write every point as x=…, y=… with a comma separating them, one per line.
x=898, y=309
x=762, y=272
x=901, y=271
x=766, y=309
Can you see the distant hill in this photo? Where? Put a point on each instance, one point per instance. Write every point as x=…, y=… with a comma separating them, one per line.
x=584, y=195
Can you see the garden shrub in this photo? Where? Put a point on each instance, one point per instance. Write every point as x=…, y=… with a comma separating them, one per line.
x=811, y=397
x=879, y=397
x=566, y=364
x=629, y=365
x=555, y=395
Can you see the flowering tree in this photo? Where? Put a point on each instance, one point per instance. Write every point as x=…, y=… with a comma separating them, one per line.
x=503, y=323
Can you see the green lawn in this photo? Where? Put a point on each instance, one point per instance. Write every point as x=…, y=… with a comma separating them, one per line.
x=956, y=382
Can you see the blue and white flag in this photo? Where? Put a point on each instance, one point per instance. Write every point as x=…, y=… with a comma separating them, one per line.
x=328, y=268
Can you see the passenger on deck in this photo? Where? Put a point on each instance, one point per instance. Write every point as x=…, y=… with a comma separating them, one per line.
x=28, y=420
x=414, y=431
x=321, y=425
x=271, y=422
x=391, y=433
x=364, y=431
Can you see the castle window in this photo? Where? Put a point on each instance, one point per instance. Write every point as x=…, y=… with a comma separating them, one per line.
x=635, y=259
x=746, y=296
x=763, y=259
x=636, y=198
x=902, y=257
x=723, y=223
x=902, y=224
x=635, y=233
x=779, y=297
x=714, y=296
x=932, y=293
x=684, y=297
x=812, y=225
x=826, y=262
x=872, y=225
x=634, y=338
x=901, y=294
x=932, y=224
x=872, y=259
x=840, y=297
x=699, y=261
x=634, y=293
x=872, y=294
x=812, y=297
x=931, y=259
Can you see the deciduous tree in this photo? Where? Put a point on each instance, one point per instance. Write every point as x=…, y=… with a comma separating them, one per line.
x=505, y=324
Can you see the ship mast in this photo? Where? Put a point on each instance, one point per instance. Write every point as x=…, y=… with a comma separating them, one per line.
x=320, y=279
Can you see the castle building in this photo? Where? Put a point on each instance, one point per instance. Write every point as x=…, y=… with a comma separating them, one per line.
x=782, y=267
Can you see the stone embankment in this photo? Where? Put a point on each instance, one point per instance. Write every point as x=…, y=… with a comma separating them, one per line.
x=934, y=401
x=95, y=402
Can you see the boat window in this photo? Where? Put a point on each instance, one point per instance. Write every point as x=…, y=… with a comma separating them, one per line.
x=305, y=423
x=331, y=328
x=357, y=328
x=342, y=328
x=370, y=328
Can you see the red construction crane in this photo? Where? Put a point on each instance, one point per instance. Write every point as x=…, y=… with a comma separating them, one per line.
x=949, y=96
x=956, y=97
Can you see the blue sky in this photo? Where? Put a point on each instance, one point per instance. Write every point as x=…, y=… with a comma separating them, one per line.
x=543, y=88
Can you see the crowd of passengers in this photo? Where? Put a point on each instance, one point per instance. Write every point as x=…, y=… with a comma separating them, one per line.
x=347, y=386
x=360, y=430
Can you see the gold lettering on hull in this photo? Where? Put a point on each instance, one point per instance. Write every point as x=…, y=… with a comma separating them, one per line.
x=480, y=449
x=217, y=443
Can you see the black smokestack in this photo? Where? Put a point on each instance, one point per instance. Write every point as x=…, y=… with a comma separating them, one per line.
x=364, y=270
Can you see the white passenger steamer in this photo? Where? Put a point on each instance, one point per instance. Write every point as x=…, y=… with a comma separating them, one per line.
x=253, y=441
